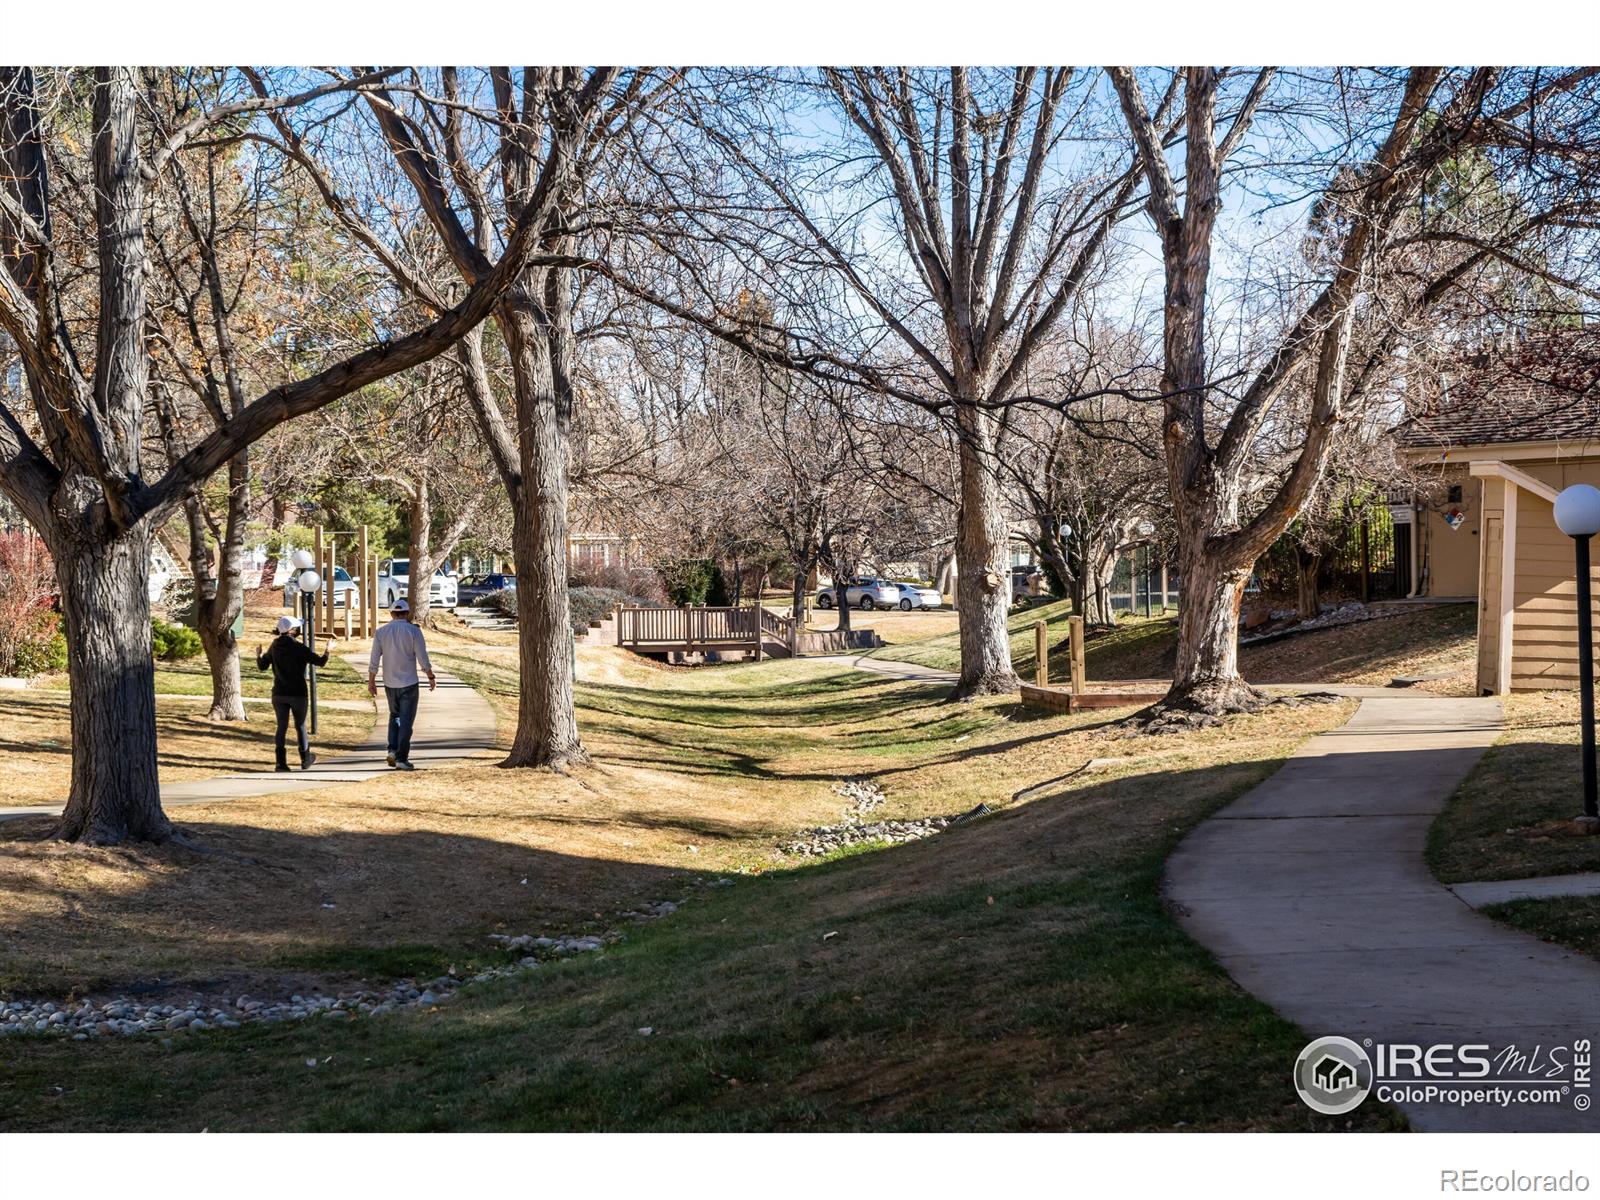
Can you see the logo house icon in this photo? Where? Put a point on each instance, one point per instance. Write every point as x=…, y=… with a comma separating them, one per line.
x=1333, y=1075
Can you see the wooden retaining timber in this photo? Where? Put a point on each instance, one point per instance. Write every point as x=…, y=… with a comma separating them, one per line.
x=1079, y=695
x=1063, y=699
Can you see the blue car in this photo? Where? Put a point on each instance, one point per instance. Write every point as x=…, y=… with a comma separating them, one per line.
x=477, y=589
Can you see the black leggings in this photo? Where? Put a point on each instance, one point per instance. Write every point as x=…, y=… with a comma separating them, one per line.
x=285, y=706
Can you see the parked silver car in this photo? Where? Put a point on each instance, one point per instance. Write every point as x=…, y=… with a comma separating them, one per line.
x=863, y=593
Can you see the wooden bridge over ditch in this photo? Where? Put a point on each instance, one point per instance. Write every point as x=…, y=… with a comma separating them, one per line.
x=750, y=629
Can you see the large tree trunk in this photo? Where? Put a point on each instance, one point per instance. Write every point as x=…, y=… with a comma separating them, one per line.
x=222, y=656
x=1308, y=598
x=802, y=567
x=420, y=549
x=1053, y=557
x=105, y=606
x=841, y=596
x=1101, y=569
x=983, y=573
x=547, y=725
x=219, y=594
x=1206, y=675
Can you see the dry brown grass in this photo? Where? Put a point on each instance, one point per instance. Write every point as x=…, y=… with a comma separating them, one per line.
x=695, y=770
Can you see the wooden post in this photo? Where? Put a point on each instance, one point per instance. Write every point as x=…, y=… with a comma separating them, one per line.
x=314, y=601
x=366, y=582
x=1080, y=681
x=756, y=614
x=1041, y=653
x=327, y=582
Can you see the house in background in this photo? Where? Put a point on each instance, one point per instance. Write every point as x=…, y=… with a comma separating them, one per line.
x=1507, y=437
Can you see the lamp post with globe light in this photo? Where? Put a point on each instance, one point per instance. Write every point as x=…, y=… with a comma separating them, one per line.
x=1577, y=512
x=309, y=582
x=1064, y=531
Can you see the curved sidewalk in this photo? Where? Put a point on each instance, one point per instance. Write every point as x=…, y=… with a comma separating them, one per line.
x=1312, y=892
x=453, y=723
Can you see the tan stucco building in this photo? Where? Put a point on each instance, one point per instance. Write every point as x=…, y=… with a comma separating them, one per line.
x=1507, y=439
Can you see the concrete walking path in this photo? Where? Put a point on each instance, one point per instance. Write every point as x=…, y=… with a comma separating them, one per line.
x=1546, y=887
x=453, y=723
x=1312, y=892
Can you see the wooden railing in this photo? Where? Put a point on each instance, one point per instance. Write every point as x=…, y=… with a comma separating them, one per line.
x=692, y=629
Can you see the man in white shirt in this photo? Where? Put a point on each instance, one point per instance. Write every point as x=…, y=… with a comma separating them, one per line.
x=400, y=649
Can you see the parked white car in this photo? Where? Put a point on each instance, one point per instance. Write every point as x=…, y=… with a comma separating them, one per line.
x=912, y=596
x=394, y=581
x=863, y=593
x=345, y=591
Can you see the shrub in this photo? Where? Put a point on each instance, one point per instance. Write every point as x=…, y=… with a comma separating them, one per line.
x=42, y=655
x=171, y=643
x=587, y=604
x=643, y=582
x=591, y=604
x=695, y=581
x=717, y=595
x=27, y=583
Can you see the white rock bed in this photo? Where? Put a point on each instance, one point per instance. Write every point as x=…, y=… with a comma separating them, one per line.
x=129, y=1017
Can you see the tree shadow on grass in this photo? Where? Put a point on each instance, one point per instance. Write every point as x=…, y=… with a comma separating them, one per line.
x=82, y=918
x=1019, y=972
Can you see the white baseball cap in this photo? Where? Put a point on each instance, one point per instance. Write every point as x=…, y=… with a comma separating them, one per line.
x=400, y=605
x=288, y=624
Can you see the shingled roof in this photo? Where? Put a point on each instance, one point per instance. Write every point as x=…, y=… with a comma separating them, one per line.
x=1544, y=389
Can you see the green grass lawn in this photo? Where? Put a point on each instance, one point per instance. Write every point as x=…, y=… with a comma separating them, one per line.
x=1508, y=819
x=1020, y=972
x=1572, y=921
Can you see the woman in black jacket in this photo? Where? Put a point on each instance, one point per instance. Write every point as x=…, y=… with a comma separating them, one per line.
x=288, y=657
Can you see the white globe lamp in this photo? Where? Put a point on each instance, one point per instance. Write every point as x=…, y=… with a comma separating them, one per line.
x=302, y=559
x=309, y=581
x=1578, y=511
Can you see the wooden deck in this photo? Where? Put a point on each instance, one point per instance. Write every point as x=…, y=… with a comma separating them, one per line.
x=751, y=629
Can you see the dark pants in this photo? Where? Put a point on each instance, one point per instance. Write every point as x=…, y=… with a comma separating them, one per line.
x=285, y=707
x=402, y=716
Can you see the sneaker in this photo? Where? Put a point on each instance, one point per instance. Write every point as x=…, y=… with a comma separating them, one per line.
x=391, y=758
x=305, y=763
x=404, y=766
x=282, y=768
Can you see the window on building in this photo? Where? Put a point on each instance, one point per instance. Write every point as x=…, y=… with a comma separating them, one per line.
x=1454, y=494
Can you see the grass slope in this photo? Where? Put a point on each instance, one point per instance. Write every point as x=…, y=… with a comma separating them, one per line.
x=1508, y=819
x=1420, y=641
x=1019, y=972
